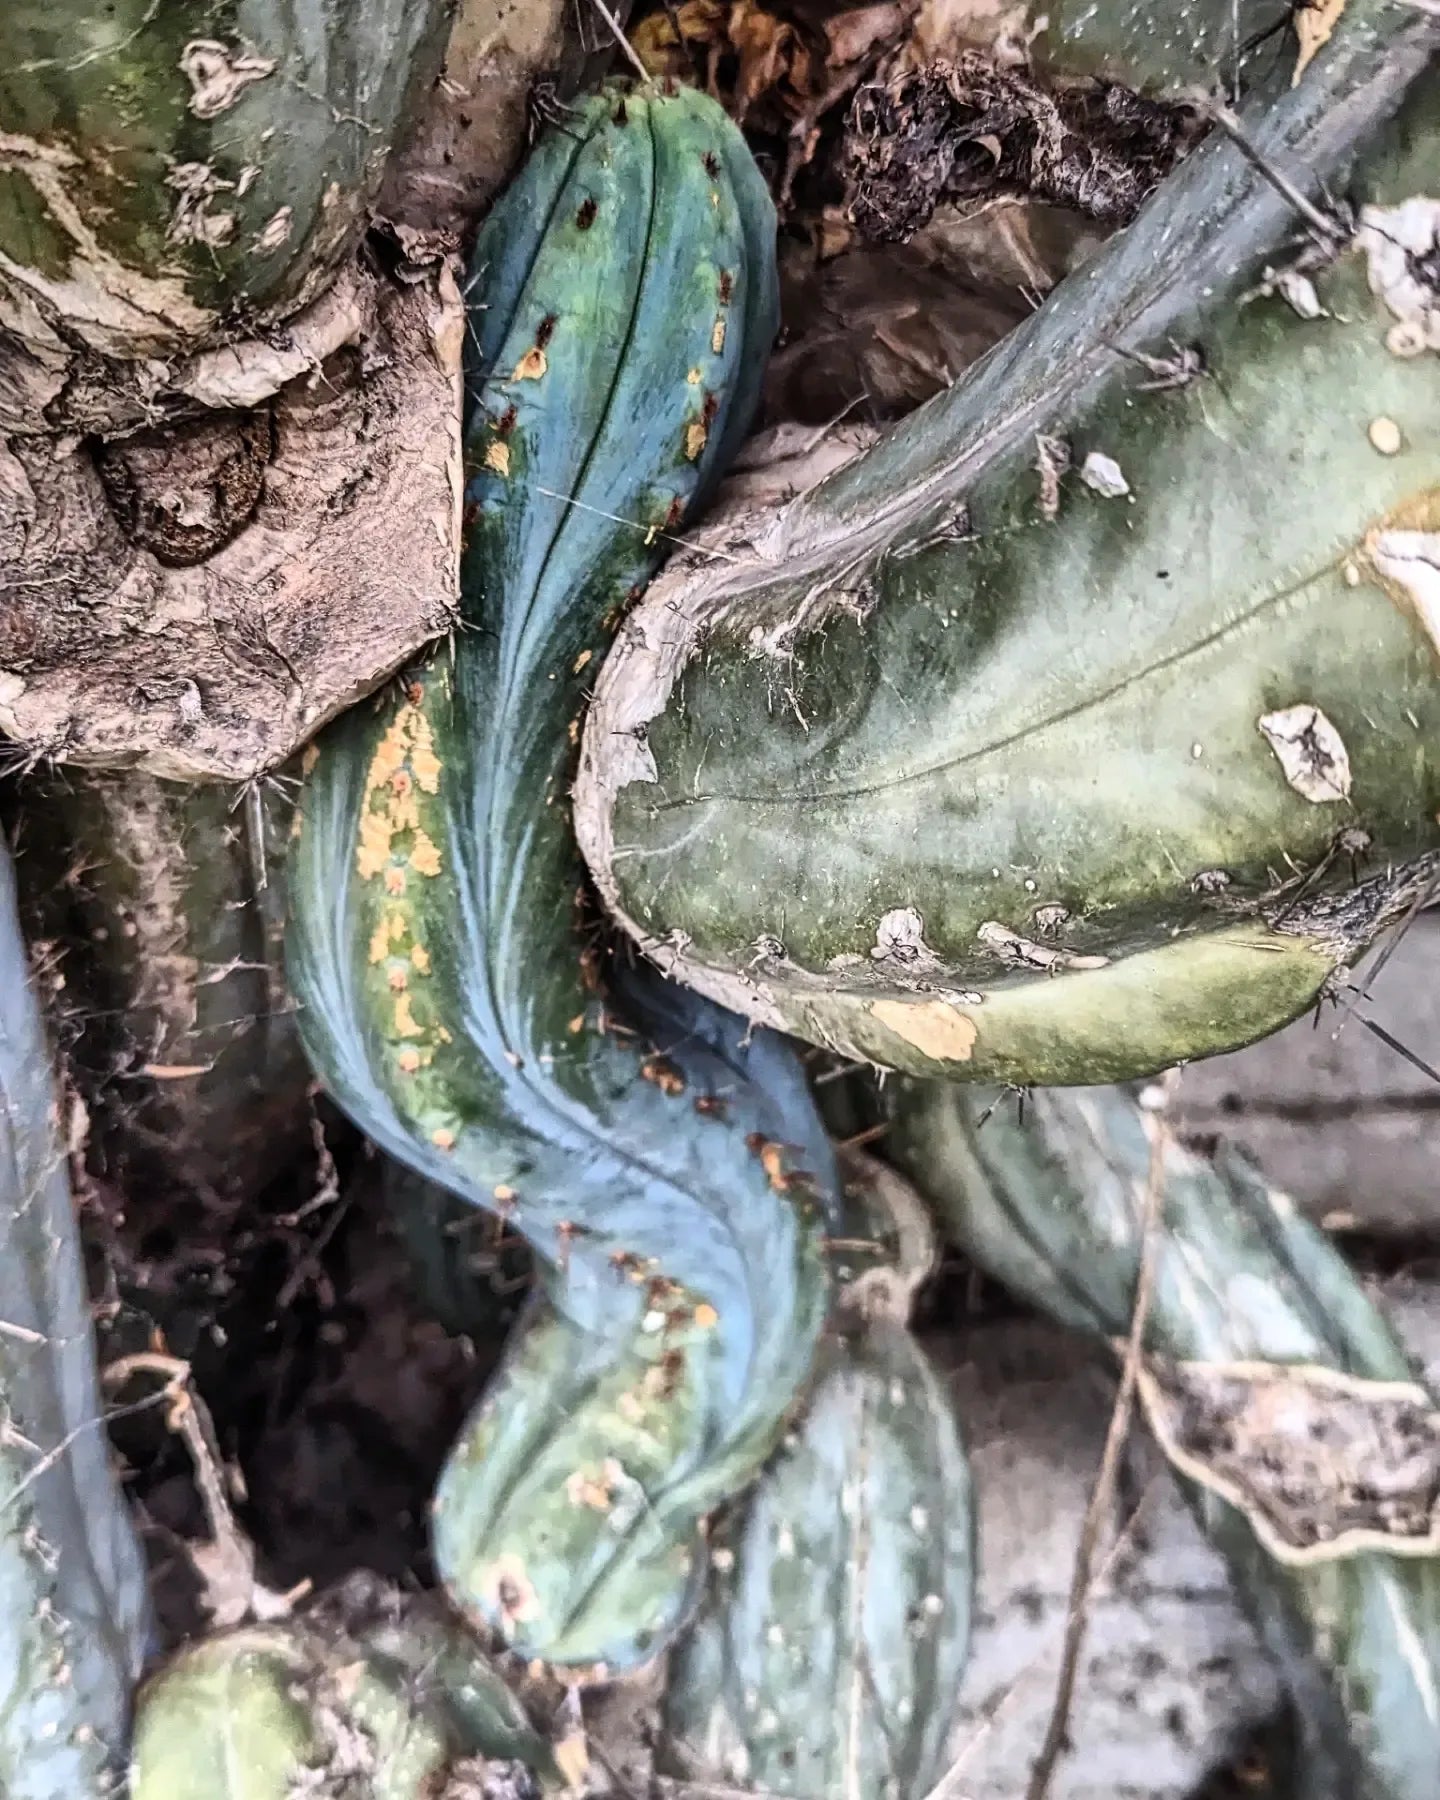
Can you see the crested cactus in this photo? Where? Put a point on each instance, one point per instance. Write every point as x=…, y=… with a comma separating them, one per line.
x=1086, y=723
x=627, y=306
x=74, y=1619
x=1275, y=1386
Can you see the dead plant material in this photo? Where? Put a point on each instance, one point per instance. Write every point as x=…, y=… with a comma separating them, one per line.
x=779, y=72
x=970, y=131
x=196, y=597
x=1322, y=1464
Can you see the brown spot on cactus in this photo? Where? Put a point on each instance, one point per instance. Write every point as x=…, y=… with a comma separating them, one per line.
x=710, y=1106
x=531, y=366
x=1310, y=751
x=934, y=1028
x=664, y=1074
x=424, y=854
x=511, y=1591
x=585, y=218
x=727, y=287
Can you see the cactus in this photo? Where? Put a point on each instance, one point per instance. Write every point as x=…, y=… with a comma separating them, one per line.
x=628, y=302
x=390, y=1708
x=170, y=171
x=827, y=1656
x=163, y=902
x=1053, y=1207
x=1085, y=724
x=73, y=1612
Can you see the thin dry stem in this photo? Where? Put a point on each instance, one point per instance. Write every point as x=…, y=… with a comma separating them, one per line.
x=1115, y=1437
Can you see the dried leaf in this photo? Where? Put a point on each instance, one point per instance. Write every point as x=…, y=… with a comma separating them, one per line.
x=1313, y=26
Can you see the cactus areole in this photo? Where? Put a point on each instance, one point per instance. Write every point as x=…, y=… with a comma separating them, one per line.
x=1088, y=723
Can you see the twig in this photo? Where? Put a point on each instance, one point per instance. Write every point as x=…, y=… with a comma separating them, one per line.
x=650, y=531
x=945, y=1788
x=621, y=39
x=226, y=1565
x=1330, y=231
x=1115, y=1436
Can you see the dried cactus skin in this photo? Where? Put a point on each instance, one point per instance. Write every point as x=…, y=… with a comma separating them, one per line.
x=74, y=1618
x=170, y=170
x=627, y=308
x=263, y=1712
x=913, y=835
x=1053, y=1207
x=828, y=1655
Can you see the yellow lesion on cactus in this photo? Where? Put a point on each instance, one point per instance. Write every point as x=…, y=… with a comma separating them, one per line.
x=424, y=854
x=405, y=1025
x=420, y=959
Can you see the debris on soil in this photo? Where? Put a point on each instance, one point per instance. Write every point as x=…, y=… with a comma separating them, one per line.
x=777, y=72
x=1323, y=1464
x=971, y=130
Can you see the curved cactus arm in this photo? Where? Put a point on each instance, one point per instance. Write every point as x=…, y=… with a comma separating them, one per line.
x=73, y=1611
x=1054, y=1207
x=446, y=997
x=828, y=1654
x=1086, y=723
x=167, y=171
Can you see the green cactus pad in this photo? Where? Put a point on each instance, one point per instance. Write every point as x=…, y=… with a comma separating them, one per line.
x=1088, y=722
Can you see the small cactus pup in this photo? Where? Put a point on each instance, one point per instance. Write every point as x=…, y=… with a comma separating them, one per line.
x=1087, y=723
x=74, y=1620
x=1286, y=1405
x=828, y=1653
x=667, y=1168
x=400, y=1709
